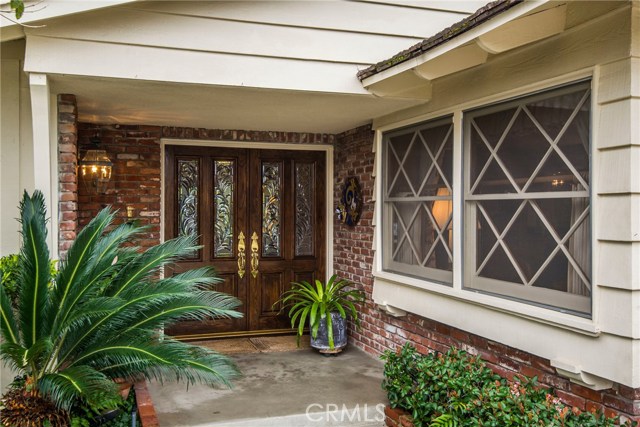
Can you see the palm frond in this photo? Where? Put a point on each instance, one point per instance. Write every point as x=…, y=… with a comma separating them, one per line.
x=186, y=282
x=66, y=387
x=8, y=325
x=13, y=355
x=149, y=261
x=169, y=361
x=100, y=319
x=34, y=268
x=78, y=257
x=101, y=265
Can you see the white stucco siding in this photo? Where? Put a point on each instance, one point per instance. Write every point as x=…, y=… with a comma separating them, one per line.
x=312, y=46
x=607, y=345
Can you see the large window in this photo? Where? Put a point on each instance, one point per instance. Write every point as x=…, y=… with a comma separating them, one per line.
x=417, y=195
x=525, y=184
x=527, y=214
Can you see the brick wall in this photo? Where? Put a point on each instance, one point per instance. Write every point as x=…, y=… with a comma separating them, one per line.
x=135, y=177
x=136, y=181
x=67, y=163
x=353, y=258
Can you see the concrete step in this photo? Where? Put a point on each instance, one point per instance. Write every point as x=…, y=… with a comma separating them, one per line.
x=353, y=417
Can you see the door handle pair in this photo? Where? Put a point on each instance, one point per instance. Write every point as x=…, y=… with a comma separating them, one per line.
x=242, y=257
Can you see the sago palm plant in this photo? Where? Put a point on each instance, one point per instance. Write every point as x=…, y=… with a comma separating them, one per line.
x=100, y=318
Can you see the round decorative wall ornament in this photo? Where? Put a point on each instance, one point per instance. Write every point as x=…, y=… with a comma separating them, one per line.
x=350, y=205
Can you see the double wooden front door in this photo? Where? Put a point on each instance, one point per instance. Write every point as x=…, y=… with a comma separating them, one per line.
x=260, y=218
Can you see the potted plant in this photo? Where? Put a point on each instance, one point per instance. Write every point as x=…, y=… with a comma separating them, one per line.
x=325, y=306
x=98, y=320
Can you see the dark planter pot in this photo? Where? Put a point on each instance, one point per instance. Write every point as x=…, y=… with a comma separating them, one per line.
x=321, y=342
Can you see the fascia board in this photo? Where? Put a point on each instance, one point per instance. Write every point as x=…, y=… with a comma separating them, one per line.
x=467, y=37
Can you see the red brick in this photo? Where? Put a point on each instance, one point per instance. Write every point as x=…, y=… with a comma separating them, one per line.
x=585, y=392
x=594, y=407
x=406, y=421
x=622, y=404
x=629, y=393
x=571, y=399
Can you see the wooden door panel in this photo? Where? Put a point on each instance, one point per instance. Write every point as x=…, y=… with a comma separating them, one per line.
x=306, y=276
x=300, y=226
x=271, y=287
x=290, y=229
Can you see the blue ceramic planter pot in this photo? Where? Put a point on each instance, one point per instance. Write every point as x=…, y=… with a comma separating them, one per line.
x=321, y=342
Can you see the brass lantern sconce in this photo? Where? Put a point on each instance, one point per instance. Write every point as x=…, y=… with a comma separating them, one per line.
x=95, y=168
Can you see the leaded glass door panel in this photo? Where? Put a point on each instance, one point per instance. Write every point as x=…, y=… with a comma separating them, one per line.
x=287, y=215
x=259, y=215
x=203, y=189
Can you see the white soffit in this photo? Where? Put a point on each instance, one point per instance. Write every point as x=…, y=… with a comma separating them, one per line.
x=525, y=23
x=127, y=101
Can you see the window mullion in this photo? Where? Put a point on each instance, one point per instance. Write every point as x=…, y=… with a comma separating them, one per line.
x=457, y=200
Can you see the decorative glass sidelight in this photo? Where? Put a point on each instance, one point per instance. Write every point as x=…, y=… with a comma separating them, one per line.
x=223, y=208
x=188, y=179
x=304, y=197
x=271, y=212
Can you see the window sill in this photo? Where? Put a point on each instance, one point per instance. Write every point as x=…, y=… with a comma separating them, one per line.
x=541, y=315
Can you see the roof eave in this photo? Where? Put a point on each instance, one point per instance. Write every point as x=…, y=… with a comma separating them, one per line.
x=463, y=50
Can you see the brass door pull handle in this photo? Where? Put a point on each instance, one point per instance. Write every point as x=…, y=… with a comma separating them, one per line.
x=254, y=255
x=242, y=257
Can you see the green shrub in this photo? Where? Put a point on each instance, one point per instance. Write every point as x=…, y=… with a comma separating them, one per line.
x=10, y=271
x=457, y=389
x=99, y=319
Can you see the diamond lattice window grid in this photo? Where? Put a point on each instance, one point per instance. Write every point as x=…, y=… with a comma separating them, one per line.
x=532, y=156
x=418, y=200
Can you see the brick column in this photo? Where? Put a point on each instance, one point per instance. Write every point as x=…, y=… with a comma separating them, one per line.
x=67, y=171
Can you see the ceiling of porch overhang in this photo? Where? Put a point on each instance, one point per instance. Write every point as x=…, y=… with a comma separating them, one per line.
x=125, y=101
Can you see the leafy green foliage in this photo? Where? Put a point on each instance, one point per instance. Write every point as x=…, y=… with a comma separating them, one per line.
x=17, y=6
x=101, y=318
x=10, y=272
x=315, y=301
x=456, y=389
x=83, y=416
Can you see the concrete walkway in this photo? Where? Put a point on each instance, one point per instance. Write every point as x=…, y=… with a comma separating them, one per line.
x=296, y=389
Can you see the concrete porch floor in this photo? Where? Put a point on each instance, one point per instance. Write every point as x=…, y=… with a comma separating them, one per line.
x=294, y=388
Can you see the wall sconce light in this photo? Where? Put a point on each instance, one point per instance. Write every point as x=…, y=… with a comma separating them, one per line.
x=95, y=168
